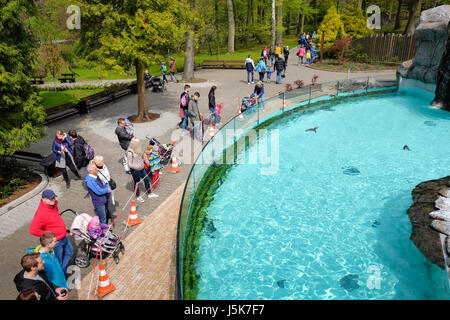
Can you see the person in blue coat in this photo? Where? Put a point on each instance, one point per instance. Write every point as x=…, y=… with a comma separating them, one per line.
x=52, y=267
x=62, y=148
x=98, y=191
x=259, y=94
x=261, y=68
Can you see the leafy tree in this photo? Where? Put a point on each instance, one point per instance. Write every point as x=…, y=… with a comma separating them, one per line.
x=121, y=33
x=355, y=23
x=22, y=116
x=414, y=7
x=50, y=58
x=333, y=26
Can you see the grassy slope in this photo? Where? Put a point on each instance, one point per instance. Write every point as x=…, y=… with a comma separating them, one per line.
x=55, y=98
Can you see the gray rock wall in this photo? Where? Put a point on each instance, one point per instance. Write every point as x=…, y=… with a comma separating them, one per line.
x=431, y=39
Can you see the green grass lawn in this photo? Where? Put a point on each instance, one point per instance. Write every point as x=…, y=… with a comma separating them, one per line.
x=55, y=98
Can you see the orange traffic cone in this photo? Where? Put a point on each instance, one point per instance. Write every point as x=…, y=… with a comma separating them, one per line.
x=132, y=217
x=211, y=131
x=104, y=285
x=174, y=168
x=241, y=117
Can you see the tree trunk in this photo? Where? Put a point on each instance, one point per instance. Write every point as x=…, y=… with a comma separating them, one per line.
x=249, y=17
x=230, y=27
x=397, y=17
x=188, y=73
x=280, y=24
x=302, y=24
x=288, y=22
x=414, y=7
x=142, y=99
x=272, y=38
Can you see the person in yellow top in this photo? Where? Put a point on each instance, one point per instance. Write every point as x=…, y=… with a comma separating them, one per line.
x=277, y=51
x=308, y=57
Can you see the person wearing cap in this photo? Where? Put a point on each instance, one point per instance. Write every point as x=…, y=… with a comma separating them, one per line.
x=48, y=219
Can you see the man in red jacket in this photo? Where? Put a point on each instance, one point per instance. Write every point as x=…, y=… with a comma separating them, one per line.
x=48, y=219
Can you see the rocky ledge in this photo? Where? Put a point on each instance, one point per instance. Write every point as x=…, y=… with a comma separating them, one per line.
x=430, y=215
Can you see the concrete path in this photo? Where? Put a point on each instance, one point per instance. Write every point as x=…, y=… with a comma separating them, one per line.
x=157, y=232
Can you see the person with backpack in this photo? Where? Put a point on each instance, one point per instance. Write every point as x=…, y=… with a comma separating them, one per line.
x=184, y=101
x=80, y=156
x=62, y=148
x=250, y=66
x=265, y=54
x=279, y=66
x=261, y=68
x=164, y=71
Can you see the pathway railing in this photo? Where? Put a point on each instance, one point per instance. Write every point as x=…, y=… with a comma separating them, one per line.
x=221, y=149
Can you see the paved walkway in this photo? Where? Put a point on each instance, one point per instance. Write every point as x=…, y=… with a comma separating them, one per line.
x=150, y=249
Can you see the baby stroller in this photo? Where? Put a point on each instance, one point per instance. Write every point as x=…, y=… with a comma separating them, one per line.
x=165, y=151
x=248, y=102
x=109, y=245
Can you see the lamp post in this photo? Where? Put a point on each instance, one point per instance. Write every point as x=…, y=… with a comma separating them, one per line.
x=321, y=46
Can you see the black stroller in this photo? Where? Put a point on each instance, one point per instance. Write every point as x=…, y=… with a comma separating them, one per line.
x=165, y=151
x=248, y=102
x=109, y=245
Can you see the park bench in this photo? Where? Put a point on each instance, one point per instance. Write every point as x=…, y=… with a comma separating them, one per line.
x=118, y=91
x=96, y=99
x=213, y=64
x=29, y=156
x=36, y=81
x=234, y=64
x=67, y=77
x=59, y=112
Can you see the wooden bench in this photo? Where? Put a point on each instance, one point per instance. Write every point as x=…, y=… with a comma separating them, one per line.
x=67, y=77
x=119, y=91
x=36, y=81
x=234, y=64
x=213, y=64
x=96, y=99
x=59, y=112
x=29, y=156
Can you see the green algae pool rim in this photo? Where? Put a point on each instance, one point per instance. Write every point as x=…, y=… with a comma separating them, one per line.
x=186, y=207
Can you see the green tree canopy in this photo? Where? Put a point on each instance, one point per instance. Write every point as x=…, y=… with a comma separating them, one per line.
x=131, y=33
x=333, y=26
x=22, y=116
x=355, y=23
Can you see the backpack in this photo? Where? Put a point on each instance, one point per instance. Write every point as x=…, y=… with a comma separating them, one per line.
x=164, y=68
x=88, y=151
x=184, y=100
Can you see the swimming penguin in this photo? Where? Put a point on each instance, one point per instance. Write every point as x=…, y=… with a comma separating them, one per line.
x=313, y=129
x=405, y=147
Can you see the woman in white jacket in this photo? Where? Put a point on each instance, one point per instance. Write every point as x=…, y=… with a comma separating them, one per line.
x=103, y=174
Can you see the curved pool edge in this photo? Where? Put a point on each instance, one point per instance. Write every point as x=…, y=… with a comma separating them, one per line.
x=305, y=104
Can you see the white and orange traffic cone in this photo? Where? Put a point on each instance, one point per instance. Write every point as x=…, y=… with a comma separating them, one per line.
x=175, y=168
x=211, y=131
x=241, y=117
x=104, y=285
x=133, y=217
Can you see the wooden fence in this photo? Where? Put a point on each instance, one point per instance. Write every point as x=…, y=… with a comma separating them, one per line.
x=391, y=47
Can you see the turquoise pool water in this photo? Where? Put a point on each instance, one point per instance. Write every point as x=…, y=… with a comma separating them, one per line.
x=332, y=222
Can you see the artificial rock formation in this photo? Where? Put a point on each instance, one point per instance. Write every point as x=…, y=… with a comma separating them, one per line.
x=431, y=39
x=442, y=96
x=424, y=214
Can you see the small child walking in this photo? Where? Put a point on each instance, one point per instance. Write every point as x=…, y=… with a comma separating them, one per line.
x=155, y=165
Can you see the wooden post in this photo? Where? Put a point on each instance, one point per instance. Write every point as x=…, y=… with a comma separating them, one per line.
x=321, y=46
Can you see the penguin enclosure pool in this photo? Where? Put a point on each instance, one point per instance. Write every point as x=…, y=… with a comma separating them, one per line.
x=307, y=200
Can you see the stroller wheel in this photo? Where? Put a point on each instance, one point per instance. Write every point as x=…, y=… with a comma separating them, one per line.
x=82, y=261
x=116, y=259
x=122, y=248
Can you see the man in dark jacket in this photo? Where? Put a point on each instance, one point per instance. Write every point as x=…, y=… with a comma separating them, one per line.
x=78, y=149
x=33, y=277
x=279, y=66
x=124, y=140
